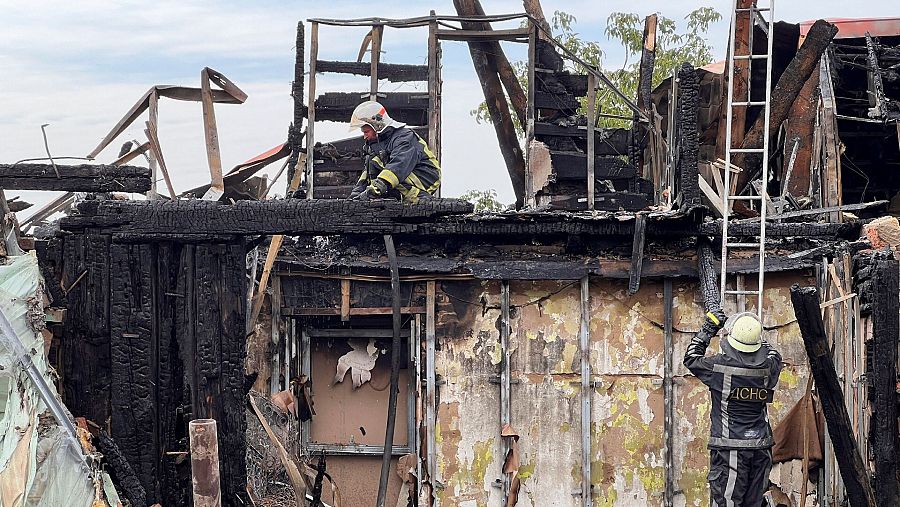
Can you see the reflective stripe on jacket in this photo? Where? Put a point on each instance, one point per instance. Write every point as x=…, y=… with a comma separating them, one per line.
x=403, y=160
x=740, y=385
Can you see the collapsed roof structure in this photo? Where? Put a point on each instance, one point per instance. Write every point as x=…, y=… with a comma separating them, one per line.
x=532, y=355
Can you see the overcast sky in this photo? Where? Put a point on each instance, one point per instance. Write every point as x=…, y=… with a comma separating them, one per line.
x=79, y=66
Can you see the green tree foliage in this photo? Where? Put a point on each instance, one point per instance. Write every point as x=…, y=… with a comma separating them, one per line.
x=673, y=47
x=485, y=201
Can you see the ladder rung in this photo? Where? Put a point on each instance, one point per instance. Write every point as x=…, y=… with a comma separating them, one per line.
x=750, y=103
x=751, y=57
x=756, y=9
x=742, y=245
x=743, y=292
x=747, y=150
x=744, y=198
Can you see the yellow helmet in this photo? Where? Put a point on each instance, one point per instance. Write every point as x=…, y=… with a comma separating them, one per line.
x=744, y=332
x=373, y=114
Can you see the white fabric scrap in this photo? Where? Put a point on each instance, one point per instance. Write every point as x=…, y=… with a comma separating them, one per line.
x=359, y=361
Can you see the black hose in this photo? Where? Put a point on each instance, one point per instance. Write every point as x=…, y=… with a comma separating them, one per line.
x=395, y=373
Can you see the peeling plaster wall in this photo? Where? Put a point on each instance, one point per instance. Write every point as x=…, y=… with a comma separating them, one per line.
x=627, y=361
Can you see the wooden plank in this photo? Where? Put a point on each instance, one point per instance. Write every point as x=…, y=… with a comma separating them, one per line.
x=556, y=101
x=886, y=331
x=610, y=201
x=75, y=178
x=434, y=91
x=711, y=195
x=607, y=141
x=345, y=300
x=393, y=72
x=637, y=252
x=150, y=132
x=532, y=165
x=853, y=471
x=591, y=155
x=511, y=35
x=210, y=132
x=644, y=89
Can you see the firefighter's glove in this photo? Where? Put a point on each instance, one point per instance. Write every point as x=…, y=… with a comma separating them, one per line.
x=378, y=187
x=714, y=321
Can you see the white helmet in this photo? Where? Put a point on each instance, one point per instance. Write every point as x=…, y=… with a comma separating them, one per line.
x=744, y=332
x=373, y=114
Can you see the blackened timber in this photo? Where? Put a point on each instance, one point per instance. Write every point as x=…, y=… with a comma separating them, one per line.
x=572, y=165
x=637, y=253
x=606, y=141
x=408, y=107
x=709, y=288
x=846, y=450
x=575, y=84
x=75, y=178
x=689, y=139
x=392, y=72
x=846, y=230
x=556, y=101
x=886, y=331
x=608, y=201
x=295, y=130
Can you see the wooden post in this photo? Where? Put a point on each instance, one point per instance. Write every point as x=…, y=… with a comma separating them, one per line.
x=637, y=252
x=645, y=83
x=434, y=91
x=205, y=463
x=153, y=123
x=311, y=111
x=886, y=331
x=528, y=127
x=295, y=133
x=853, y=470
x=591, y=121
x=377, y=34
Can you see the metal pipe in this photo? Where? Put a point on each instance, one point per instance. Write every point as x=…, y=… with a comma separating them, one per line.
x=205, y=463
x=584, y=338
x=395, y=372
x=669, y=394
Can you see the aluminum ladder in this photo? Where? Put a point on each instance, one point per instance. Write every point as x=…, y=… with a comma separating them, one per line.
x=765, y=17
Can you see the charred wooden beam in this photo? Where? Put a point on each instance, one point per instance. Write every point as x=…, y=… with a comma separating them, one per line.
x=886, y=331
x=290, y=216
x=75, y=178
x=709, y=288
x=637, y=253
x=783, y=96
x=847, y=230
x=607, y=201
x=494, y=52
x=689, y=139
x=846, y=449
x=489, y=62
x=392, y=72
x=295, y=130
x=572, y=165
x=606, y=141
x=408, y=107
x=644, y=88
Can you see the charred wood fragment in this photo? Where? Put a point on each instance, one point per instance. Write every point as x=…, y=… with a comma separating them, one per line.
x=75, y=178
x=689, y=138
x=886, y=331
x=295, y=130
x=709, y=287
x=392, y=72
x=122, y=473
x=846, y=230
x=853, y=470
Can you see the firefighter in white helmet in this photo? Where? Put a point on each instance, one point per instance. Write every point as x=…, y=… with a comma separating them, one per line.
x=398, y=163
x=741, y=381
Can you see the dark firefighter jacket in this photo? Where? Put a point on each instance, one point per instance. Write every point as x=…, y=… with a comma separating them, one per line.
x=740, y=385
x=403, y=160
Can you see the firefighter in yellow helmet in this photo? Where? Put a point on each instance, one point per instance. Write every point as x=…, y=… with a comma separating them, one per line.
x=398, y=163
x=741, y=381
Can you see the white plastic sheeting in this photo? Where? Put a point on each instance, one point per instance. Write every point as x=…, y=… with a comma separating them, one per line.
x=39, y=464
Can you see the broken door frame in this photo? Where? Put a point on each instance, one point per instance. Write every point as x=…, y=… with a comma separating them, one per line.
x=307, y=334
